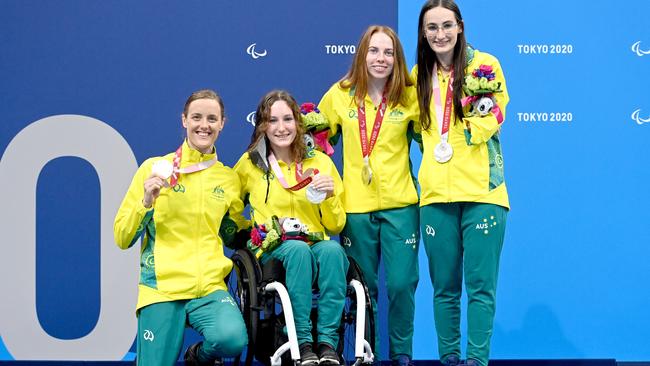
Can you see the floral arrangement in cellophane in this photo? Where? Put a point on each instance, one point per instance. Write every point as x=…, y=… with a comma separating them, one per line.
x=480, y=86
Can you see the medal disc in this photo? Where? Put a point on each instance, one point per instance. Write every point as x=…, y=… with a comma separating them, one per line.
x=366, y=174
x=162, y=168
x=314, y=195
x=443, y=152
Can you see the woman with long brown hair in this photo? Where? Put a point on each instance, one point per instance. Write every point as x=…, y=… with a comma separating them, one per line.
x=463, y=198
x=284, y=181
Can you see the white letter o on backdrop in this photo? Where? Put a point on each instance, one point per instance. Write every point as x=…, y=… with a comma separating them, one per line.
x=24, y=158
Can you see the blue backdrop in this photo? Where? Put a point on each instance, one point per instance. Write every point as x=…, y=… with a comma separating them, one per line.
x=90, y=89
x=574, y=269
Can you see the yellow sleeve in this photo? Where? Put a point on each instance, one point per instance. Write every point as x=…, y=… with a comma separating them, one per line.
x=242, y=172
x=414, y=131
x=327, y=107
x=234, y=224
x=238, y=207
x=332, y=212
x=482, y=128
x=132, y=217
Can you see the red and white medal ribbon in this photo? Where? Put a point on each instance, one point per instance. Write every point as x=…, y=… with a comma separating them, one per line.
x=313, y=195
x=367, y=146
x=164, y=169
x=443, y=151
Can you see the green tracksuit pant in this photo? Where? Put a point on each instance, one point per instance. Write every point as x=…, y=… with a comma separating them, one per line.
x=394, y=236
x=216, y=317
x=464, y=238
x=326, y=263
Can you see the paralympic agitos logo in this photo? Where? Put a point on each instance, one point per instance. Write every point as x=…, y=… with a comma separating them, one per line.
x=636, y=48
x=637, y=118
x=254, y=54
x=636, y=115
x=250, y=118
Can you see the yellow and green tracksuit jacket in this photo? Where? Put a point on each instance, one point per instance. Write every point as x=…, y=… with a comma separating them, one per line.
x=392, y=183
x=181, y=256
x=475, y=172
x=328, y=217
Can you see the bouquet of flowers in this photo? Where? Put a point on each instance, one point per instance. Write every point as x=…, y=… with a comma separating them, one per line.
x=266, y=237
x=317, y=128
x=480, y=87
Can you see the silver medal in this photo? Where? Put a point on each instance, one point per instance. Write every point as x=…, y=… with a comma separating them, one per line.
x=315, y=195
x=443, y=152
x=162, y=168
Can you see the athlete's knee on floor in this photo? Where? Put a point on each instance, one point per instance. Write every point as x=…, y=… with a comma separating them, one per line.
x=228, y=340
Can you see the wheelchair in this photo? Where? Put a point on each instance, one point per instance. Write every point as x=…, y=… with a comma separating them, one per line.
x=266, y=309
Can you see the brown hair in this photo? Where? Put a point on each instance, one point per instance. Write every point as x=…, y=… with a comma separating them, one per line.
x=204, y=94
x=357, y=76
x=263, y=116
x=427, y=58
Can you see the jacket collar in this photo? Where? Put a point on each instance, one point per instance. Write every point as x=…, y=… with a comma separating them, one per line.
x=194, y=156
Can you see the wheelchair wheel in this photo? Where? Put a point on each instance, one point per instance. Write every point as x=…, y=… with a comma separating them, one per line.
x=243, y=287
x=347, y=329
x=271, y=335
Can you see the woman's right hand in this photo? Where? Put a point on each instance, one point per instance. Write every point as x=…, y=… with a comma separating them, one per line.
x=324, y=183
x=152, y=186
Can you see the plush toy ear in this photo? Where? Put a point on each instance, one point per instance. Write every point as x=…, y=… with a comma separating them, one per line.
x=259, y=155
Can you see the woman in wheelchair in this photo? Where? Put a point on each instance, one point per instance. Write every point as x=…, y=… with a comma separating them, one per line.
x=287, y=184
x=171, y=203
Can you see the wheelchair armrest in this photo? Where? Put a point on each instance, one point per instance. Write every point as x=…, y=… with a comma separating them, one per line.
x=273, y=270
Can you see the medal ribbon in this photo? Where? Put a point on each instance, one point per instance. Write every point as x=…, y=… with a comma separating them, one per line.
x=202, y=165
x=366, y=147
x=443, y=124
x=302, y=179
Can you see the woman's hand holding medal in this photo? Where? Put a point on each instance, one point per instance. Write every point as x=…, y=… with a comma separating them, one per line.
x=161, y=170
x=323, y=186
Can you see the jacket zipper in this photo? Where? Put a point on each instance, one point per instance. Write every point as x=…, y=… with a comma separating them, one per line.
x=196, y=234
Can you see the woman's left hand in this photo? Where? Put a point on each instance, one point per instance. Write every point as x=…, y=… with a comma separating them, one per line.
x=323, y=183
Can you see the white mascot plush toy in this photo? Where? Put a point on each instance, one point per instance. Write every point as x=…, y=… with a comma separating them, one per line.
x=293, y=226
x=483, y=105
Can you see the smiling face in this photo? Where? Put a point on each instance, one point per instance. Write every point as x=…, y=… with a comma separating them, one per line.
x=380, y=57
x=441, y=28
x=281, y=127
x=203, y=122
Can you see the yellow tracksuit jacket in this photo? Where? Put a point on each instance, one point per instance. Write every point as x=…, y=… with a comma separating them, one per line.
x=328, y=217
x=181, y=256
x=475, y=172
x=392, y=184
